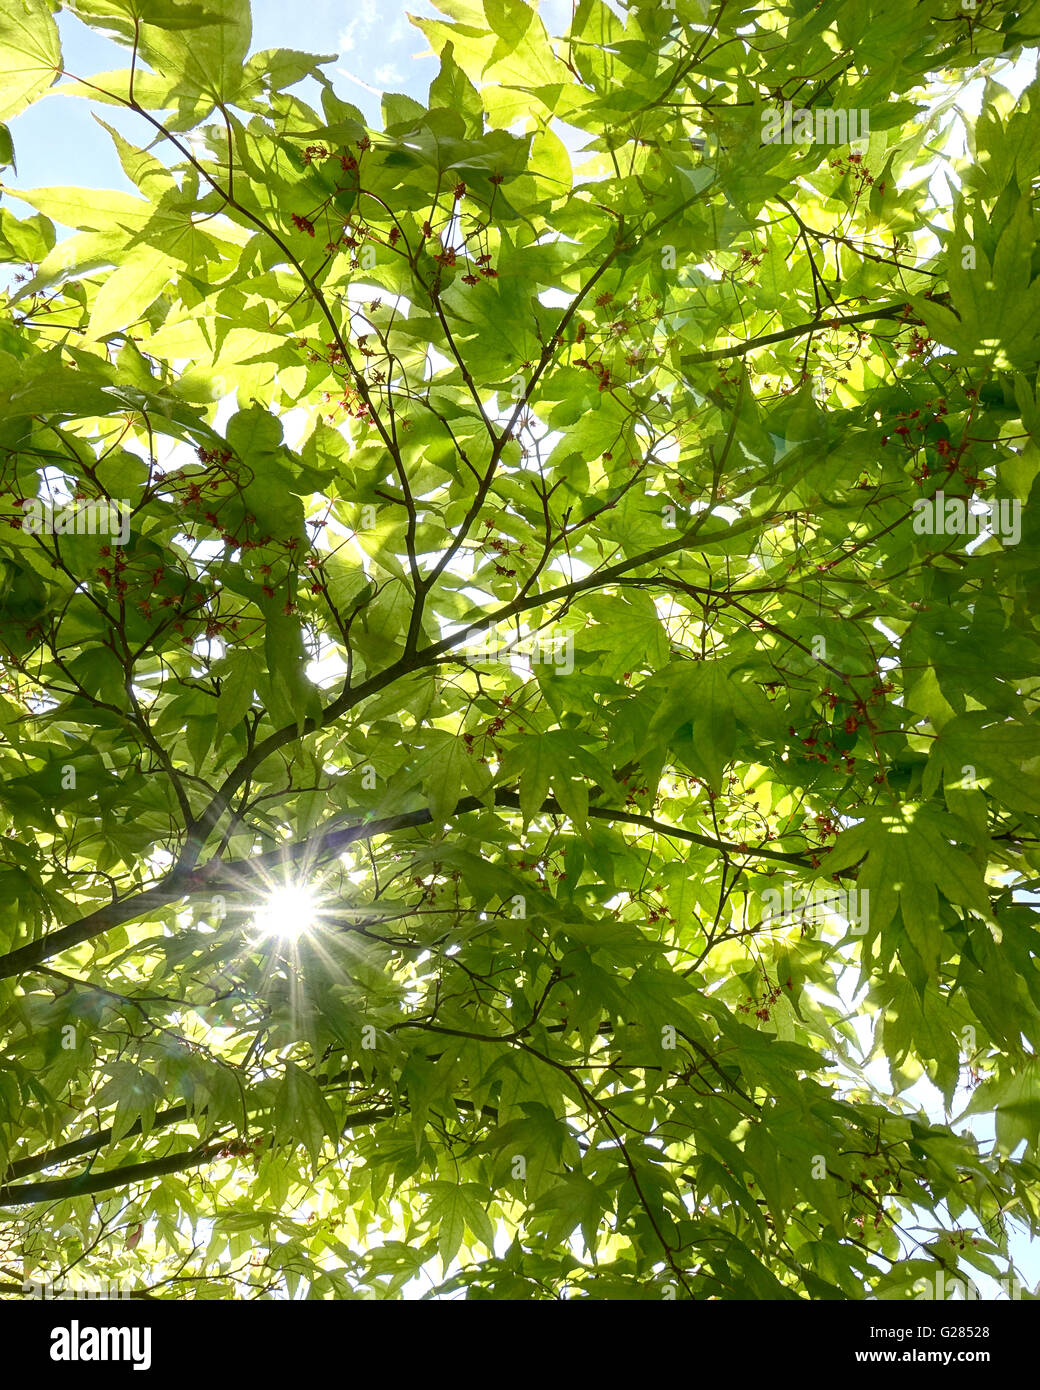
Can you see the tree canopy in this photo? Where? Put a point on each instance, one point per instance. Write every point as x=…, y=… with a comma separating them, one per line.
x=519, y=694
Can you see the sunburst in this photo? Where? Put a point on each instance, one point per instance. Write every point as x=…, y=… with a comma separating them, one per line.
x=288, y=912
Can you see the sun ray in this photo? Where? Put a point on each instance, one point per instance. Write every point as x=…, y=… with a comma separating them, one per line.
x=289, y=912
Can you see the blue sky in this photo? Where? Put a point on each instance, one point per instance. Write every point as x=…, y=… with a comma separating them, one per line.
x=378, y=50
x=56, y=142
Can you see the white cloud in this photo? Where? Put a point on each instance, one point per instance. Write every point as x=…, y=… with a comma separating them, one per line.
x=364, y=21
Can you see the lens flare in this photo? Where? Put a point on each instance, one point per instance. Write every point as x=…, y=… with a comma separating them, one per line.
x=288, y=912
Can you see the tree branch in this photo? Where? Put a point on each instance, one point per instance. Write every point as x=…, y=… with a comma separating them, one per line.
x=887, y=311
x=234, y=877
x=59, y=1189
